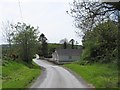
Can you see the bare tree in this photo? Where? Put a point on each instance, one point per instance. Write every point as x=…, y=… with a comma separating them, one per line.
x=88, y=14
x=8, y=32
x=64, y=42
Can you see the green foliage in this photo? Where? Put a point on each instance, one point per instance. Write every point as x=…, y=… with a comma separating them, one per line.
x=99, y=75
x=65, y=45
x=44, y=46
x=72, y=43
x=101, y=43
x=18, y=75
x=64, y=42
x=25, y=41
x=0, y=77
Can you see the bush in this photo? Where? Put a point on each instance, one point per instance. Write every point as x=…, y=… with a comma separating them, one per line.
x=101, y=44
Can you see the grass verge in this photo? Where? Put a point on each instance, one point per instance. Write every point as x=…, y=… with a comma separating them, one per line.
x=18, y=75
x=99, y=75
x=0, y=77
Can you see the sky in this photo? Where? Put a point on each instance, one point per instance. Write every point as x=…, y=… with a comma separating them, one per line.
x=49, y=15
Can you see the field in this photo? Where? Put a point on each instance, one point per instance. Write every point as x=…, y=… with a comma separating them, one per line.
x=18, y=75
x=99, y=75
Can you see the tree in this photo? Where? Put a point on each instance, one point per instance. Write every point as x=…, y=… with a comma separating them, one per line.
x=64, y=42
x=65, y=45
x=72, y=43
x=8, y=33
x=115, y=5
x=25, y=39
x=42, y=38
x=89, y=14
x=44, y=45
x=101, y=43
x=77, y=45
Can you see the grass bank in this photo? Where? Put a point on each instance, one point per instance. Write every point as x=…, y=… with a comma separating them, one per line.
x=18, y=75
x=0, y=76
x=99, y=75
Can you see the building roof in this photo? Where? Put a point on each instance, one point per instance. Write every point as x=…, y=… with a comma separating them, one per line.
x=69, y=52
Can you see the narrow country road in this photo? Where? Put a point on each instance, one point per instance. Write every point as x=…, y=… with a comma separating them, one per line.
x=56, y=77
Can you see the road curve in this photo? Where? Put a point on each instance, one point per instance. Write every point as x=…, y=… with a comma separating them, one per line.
x=56, y=77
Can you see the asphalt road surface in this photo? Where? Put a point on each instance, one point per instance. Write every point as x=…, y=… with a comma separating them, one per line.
x=55, y=76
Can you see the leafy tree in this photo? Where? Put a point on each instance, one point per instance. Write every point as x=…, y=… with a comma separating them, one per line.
x=101, y=43
x=25, y=39
x=44, y=45
x=42, y=38
x=88, y=17
x=65, y=45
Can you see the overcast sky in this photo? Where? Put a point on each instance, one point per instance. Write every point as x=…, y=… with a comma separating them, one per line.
x=49, y=15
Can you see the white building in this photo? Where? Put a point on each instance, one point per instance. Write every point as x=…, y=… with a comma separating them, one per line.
x=66, y=55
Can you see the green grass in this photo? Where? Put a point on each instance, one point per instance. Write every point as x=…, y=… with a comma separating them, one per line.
x=99, y=75
x=18, y=75
x=0, y=77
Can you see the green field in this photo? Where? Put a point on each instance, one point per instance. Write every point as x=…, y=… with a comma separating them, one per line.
x=18, y=74
x=99, y=75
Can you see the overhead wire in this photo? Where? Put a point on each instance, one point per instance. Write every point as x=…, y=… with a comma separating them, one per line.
x=20, y=10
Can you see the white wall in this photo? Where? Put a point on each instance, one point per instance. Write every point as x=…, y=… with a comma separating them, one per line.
x=55, y=56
